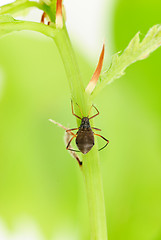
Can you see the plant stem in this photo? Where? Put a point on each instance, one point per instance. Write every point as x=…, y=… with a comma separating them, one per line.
x=71, y=67
x=16, y=7
x=95, y=196
x=19, y=6
x=8, y=27
x=91, y=167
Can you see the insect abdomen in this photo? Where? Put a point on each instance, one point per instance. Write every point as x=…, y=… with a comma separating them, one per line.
x=85, y=141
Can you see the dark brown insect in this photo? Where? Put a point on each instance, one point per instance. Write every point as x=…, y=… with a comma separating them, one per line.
x=85, y=135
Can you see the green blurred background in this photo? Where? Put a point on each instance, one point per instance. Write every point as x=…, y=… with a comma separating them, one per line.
x=39, y=181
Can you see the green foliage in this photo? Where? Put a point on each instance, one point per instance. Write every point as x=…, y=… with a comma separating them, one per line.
x=135, y=51
x=38, y=178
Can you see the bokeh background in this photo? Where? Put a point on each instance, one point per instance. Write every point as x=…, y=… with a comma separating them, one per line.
x=42, y=193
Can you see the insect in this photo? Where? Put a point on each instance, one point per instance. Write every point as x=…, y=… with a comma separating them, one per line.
x=85, y=135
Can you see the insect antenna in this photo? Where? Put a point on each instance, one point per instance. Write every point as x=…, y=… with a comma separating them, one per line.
x=80, y=109
x=73, y=111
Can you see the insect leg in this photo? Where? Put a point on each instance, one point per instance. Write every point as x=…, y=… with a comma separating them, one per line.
x=103, y=139
x=72, y=152
x=97, y=129
x=72, y=129
x=96, y=113
x=73, y=111
x=67, y=147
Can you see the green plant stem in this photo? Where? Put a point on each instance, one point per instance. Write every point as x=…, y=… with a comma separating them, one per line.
x=15, y=7
x=8, y=27
x=91, y=167
x=71, y=67
x=95, y=196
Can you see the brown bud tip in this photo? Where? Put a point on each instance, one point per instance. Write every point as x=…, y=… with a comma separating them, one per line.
x=43, y=17
x=59, y=15
x=95, y=77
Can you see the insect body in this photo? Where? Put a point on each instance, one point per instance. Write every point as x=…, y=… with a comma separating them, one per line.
x=85, y=135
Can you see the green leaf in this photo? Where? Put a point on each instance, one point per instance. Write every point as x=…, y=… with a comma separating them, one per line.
x=135, y=51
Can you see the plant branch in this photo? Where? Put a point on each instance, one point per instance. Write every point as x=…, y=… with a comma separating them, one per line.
x=8, y=27
x=18, y=6
x=15, y=7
